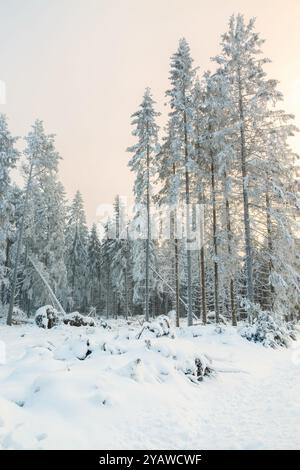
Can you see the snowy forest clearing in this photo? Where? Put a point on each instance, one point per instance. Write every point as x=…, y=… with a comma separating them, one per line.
x=213, y=237
x=129, y=393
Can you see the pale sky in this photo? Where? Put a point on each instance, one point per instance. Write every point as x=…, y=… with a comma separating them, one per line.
x=82, y=66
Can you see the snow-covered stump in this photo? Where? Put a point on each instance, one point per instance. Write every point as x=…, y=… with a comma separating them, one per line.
x=47, y=317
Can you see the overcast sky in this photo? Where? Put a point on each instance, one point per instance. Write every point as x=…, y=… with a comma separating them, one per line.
x=82, y=65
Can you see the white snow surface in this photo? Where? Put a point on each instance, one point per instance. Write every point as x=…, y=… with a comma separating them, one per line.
x=132, y=394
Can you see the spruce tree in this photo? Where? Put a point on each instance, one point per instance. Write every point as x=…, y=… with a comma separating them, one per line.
x=181, y=103
x=143, y=164
x=41, y=158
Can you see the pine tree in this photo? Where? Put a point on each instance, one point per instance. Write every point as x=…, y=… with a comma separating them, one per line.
x=41, y=158
x=239, y=60
x=169, y=198
x=106, y=265
x=44, y=241
x=144, y=165
x=200, y=183
x=121, y=247
x=94, y=266
x=77, y=256
x=220, y=141
x=181, y=77
x=8, y=158
x=258, y=122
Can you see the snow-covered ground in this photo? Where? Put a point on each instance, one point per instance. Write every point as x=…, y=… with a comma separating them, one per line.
x=130, y=393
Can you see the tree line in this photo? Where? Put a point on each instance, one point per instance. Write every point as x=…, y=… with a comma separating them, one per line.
x=225, y=147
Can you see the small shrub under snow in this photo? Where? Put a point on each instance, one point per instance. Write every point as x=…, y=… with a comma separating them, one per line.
x=46, y=317
x=199, y=369
x=105, y=325
x=160, y=327
x=267, y=331
x=76, y=319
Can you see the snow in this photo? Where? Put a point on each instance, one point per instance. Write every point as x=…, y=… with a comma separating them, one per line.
x=102, y=388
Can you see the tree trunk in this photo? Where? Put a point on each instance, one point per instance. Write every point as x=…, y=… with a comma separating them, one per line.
x=126, y=292
x=176, y=262
x=148, y=239
x=215, y=241
x=270, y=245
x=229, y=239
x=187, y=202
x=107, y=291
x=47, y=285
x=202, y=266
x=176, y=282
x=203, y=286
x=249, y=259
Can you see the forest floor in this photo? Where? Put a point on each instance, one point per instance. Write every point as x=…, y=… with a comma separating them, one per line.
x=130, y=393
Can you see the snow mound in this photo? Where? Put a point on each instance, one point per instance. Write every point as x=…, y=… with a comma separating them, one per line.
x=79, y=348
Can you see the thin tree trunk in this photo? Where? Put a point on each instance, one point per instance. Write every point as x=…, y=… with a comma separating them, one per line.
x=176, y=261
x=18, y=252
x=148, y=239
x=187, y=201
x=249, y=259
x=177, y=282
x=202, y=267
x=203, y=286
x=126, y=292
x=229, y=238
x=107, y=292
x=99, y=290
x=4, y=290
x=270, y=245
x=166, y=302
x=168, y=285
x=51, y=292
x=215, y=241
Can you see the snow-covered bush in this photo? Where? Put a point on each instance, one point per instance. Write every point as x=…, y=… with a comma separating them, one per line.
x=46, y=317
x=76, y=319
x=266, y=330
x=293, y=328
x=104, y=324
x=160, y=327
